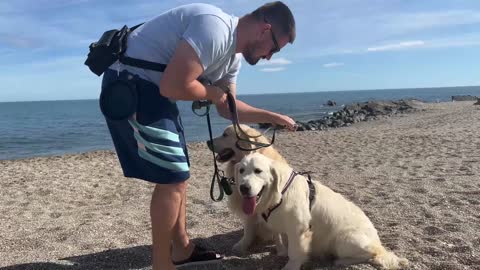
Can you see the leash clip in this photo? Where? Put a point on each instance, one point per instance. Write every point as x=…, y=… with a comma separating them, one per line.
x=197, y=105
x=226, y=185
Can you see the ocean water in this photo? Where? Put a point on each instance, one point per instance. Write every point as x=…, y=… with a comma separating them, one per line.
x=45, y=128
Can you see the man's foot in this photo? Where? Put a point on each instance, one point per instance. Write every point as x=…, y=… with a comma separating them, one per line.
x=199, y=255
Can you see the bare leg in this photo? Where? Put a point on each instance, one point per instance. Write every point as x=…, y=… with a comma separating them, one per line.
x=164, y=213
x=182, y=247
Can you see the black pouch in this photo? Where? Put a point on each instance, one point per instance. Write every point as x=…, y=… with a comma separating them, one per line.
x=119, y=99
x=107, y=50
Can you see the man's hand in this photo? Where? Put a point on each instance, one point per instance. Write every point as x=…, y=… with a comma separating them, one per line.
x=284, y=121
x=217, y=95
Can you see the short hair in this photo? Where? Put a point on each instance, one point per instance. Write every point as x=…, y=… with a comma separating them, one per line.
x=279, y=15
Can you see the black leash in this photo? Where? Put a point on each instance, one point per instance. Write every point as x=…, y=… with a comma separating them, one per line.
x=223, y=182
x=232, y=107
x=218, y=175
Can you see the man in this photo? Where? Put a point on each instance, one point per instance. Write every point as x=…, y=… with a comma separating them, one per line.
x=197, y=41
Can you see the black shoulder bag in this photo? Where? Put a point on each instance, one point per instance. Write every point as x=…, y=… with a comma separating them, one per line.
x=111, y=47
x=118, y=99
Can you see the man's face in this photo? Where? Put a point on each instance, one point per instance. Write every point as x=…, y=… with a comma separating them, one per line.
x=265, y=46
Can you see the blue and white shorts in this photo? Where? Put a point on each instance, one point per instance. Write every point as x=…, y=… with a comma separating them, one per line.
x=150, y=146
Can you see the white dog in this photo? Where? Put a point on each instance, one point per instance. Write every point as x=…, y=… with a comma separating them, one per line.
x=333, y=226
x=229, y=153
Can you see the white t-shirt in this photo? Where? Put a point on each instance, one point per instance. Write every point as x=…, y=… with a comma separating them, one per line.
x=210, y=32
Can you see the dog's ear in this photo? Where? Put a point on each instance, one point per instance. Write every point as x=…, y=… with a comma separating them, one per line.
x=276, y=185
x=236, y=167
x=276, y=176
x=245, y=145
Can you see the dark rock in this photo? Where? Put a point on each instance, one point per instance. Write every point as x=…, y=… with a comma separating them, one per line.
x=264, y=125
x=464, y=98
x=358, y=112
x=331, y=103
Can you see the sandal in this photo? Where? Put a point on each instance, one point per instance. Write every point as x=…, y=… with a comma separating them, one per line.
x=200, y=256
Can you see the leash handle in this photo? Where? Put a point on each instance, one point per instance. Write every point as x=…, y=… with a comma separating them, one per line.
x=216, y=176
x=199, y=104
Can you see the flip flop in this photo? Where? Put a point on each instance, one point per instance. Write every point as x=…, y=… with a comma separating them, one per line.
x=200, y=256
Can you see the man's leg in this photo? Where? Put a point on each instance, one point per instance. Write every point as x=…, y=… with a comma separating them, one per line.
x=164, y=212
x=182, y=247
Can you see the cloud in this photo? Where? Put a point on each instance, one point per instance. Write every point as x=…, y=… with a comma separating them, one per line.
x=273, y=69
x=334, y=64
x=408, y=22
x=351, y=26
x=398, y=46
x=275, y=61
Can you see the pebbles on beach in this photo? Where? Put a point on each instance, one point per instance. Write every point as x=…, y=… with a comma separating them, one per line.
x=415, y=175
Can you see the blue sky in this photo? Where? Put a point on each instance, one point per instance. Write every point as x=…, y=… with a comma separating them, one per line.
x=341, y=45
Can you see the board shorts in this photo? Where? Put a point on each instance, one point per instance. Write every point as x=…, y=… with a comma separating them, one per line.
x=150, y=145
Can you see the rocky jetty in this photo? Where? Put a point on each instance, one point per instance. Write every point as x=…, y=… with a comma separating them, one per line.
x=465, y=98
x=357, y=112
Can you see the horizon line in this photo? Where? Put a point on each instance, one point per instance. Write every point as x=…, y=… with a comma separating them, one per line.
x=282, y=93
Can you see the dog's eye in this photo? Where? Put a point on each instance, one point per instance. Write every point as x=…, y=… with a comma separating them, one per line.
x=257, y=171
x=224, y=135
x=242, y=170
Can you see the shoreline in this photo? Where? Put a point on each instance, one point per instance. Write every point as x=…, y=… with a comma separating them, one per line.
x=415, y=175
x=336, y=116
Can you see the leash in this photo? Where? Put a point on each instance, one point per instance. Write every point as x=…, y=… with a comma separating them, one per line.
x=232, y=107
x=223, y=182
x=218, y=175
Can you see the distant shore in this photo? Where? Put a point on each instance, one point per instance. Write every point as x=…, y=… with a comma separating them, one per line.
x=415, y=175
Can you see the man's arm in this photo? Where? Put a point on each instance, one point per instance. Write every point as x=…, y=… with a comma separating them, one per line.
x=179, y=81
x=249, y=114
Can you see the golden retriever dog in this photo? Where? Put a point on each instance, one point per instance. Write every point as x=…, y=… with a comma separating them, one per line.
x=228, y=152
x=331, y=226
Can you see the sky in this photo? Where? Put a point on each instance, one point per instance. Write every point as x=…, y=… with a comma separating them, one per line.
x=340, y=45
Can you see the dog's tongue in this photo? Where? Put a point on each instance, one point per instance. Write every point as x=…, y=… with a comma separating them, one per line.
x=249, y=205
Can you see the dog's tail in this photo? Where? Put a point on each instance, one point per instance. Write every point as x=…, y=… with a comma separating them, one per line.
x=387, y=259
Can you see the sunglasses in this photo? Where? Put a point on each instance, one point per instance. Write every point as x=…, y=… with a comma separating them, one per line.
x=276, y=48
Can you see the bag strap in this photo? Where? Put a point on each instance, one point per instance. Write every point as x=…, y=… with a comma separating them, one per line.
x=135, y=27
x=139, y=62
x=142, y=63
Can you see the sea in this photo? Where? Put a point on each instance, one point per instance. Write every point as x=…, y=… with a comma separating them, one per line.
x=47, y=128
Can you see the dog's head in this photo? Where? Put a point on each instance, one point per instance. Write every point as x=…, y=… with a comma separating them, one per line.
x=257, y=180
x=226, y=145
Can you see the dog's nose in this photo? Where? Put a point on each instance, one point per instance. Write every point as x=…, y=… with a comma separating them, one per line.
x=245, y=189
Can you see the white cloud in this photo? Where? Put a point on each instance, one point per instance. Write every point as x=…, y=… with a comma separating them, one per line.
x=407, y=22
x=331, y=65
x=454, y=42
x=273, y=69
x=397, y=46
x=275, y=61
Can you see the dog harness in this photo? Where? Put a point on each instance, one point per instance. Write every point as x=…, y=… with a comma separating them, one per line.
x=311, y=195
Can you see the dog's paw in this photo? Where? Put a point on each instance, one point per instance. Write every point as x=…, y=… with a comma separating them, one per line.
x=240, y=248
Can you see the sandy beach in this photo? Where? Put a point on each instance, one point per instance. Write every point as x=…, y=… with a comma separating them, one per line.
x=415, y=175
